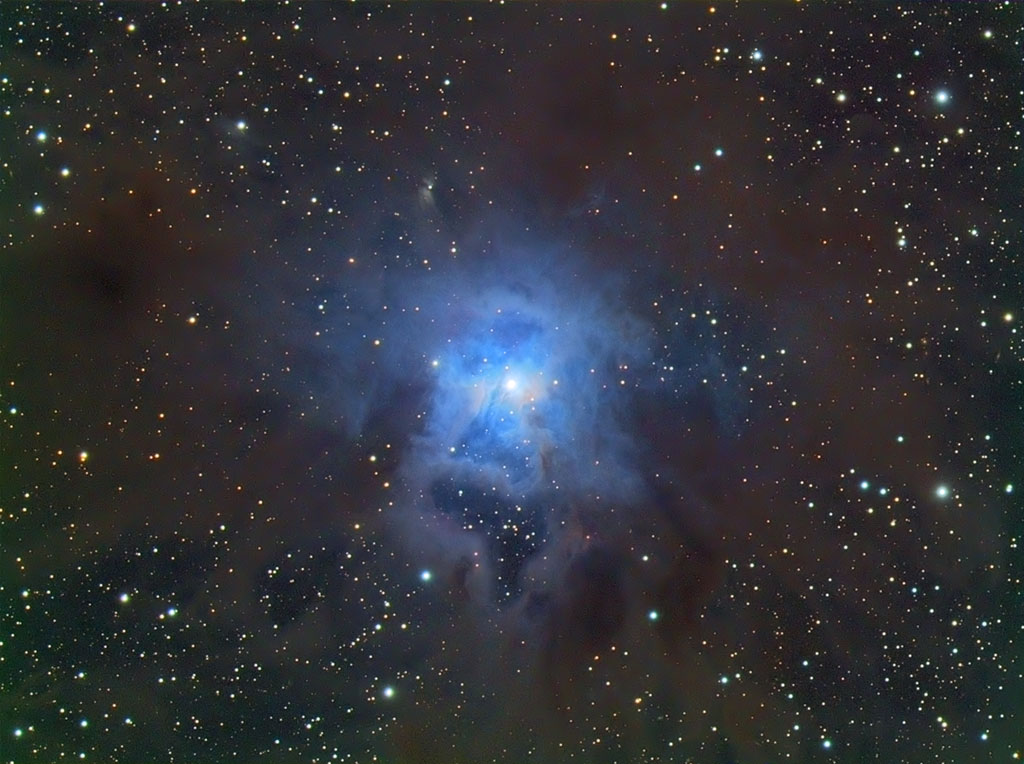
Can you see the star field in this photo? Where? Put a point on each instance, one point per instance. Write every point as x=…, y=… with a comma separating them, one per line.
x=605, y=383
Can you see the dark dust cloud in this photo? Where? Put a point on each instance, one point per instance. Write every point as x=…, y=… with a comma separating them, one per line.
x=511, y=383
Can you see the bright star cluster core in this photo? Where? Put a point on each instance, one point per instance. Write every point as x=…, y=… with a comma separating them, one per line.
x=618, y=383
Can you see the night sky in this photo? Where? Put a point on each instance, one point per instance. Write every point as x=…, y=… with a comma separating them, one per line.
x=600, y=383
